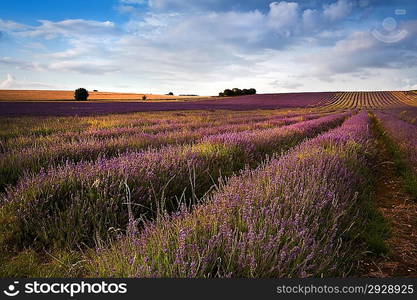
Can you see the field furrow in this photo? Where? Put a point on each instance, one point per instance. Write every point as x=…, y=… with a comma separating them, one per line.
x=358, y=100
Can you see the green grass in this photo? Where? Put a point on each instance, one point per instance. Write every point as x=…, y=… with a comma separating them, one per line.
x=376, y=230
x=32, y=264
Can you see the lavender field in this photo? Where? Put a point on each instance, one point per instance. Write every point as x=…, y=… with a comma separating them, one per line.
x=201, y=189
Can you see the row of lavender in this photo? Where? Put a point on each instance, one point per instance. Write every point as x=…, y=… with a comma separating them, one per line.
x=92, y=144
x=38, y=132
x=404, y=136
x=296, y=216
x=406, y=113
x=73, y=203
x=44, y=136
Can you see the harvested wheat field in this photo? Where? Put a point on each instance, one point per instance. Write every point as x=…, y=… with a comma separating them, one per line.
x=49, y=95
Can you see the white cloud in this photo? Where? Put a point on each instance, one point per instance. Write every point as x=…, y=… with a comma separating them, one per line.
x=360, y=52
x=338, y=10
x=70, y=28
x=8, y=82
x=12, y=83
x=7, y=26
x=281, y=46
x=79, y=48
x=130, y=9
x=289, y=84
x=20, y=64
x=310, y=19
x=85, y=67
x=283, y=15
x=176, y=4
x=133, y=1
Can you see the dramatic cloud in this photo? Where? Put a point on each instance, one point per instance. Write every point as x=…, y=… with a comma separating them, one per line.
x=203, y=46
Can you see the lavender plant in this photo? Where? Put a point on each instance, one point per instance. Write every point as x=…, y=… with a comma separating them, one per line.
x=293, y=217
x=74, y=203
x=111, y=142
x=401, y=139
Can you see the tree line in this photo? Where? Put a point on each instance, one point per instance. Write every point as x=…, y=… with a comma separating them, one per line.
x=237, y=92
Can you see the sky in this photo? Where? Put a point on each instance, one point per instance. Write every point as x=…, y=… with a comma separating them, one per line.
x=204, y=46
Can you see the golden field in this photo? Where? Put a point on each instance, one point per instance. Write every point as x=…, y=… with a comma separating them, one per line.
x=51, y=95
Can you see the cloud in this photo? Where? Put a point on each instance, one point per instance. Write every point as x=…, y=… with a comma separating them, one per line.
x=360, y=52
x=85, y=67
x=69, y=28
x=243, y=30
x=22, y=65
x=211, y=5
x=81, y=47
x=181, y=5
x=126, y=9
x=9, y=26
x=338, y=10
x=310, y=18
x=133, y=1
x=409, y=84
x=12, y=83
x=8, y=82
x=283, y=15
x=64, y=63
x=286, y=84
x=193, y=44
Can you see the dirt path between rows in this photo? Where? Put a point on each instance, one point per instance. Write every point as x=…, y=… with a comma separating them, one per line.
x=401, y=212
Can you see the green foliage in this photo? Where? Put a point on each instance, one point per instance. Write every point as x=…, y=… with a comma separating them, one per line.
x=81, y=94
x=228, y=92
x=30, y=263
x=237, y=92
x=376, y=229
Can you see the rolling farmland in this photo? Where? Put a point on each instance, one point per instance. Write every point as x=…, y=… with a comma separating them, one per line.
x=327, y=101
x=49, y=95
x=352, y=100
x=273, y=185
x=266, y=101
